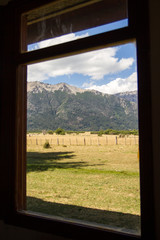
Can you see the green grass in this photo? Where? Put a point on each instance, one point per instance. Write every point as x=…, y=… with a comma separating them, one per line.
x=98, y=184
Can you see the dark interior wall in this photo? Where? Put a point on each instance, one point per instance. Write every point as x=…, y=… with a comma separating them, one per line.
x=4, y=2
x=154, y=6
x=9, y=232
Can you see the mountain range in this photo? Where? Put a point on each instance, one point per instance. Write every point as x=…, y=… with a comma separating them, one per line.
x=71, y=108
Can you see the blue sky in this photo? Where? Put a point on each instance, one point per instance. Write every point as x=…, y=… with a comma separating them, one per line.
x=108, y=70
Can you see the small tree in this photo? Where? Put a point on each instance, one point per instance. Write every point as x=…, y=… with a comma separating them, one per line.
x=60, y=131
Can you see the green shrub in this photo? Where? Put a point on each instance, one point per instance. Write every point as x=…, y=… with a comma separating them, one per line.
x=50, y=132
x=60, y=131
x=94, y=132
x=100, y=134
x=46, y=145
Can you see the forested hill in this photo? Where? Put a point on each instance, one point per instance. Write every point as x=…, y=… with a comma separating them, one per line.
x=71, y=108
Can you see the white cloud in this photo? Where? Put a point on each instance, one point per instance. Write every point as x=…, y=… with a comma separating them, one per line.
x=58, y=40
x=95, y=65
x=118, y=85
x=88, y=85
x=61, y=39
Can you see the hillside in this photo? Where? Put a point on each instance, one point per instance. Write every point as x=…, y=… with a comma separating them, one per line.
x=71, y=108
x=130, y=96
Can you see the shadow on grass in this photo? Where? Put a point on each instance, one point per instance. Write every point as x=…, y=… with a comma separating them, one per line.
x=37, y=161
x=120, y=221
x=38, y=157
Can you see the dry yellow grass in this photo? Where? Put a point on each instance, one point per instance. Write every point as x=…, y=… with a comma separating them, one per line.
x=97, y=183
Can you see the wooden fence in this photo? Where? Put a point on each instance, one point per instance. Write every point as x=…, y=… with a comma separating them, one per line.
x=83, y=140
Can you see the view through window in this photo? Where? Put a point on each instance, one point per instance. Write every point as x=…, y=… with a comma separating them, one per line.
x=82, y=138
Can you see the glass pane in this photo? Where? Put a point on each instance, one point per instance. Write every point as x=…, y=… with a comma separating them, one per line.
x=82, y=139
x=64, y=21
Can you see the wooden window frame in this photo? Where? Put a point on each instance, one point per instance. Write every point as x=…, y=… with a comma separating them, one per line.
x=16, y=60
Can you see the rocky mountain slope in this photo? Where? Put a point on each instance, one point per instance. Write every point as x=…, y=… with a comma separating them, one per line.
x=130, y=96
x=72, y=108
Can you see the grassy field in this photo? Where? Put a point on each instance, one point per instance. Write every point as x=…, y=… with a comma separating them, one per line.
x=96, y=183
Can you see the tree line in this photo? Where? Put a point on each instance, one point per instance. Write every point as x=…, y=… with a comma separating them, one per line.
x=60, y=131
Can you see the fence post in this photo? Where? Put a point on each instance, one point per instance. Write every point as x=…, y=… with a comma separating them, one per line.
x=106, y=140
x=36, y=141
x=116, y=140
x=84, y=141
x=57, y=141
x=70, y=141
